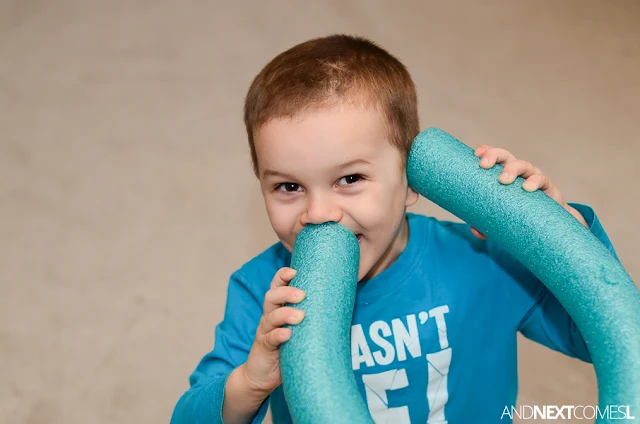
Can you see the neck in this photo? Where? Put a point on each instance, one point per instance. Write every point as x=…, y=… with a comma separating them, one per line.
x=397, y=246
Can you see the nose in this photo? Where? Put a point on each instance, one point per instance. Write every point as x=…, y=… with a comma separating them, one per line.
x=320, y=209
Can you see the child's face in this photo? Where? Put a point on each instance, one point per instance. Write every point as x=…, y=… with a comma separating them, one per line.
x=309, y=188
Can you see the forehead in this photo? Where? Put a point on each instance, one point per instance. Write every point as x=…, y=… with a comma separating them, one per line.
x=325, y=137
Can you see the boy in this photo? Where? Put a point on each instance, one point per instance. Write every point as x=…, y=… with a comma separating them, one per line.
x=330, y=123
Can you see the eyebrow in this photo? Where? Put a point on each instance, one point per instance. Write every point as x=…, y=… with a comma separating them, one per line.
x=271, y=173
x=352, y=163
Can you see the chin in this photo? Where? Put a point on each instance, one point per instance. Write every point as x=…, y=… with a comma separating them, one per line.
x=362, y=273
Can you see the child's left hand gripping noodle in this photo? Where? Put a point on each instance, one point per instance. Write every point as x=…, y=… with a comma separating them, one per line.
x=533, y=178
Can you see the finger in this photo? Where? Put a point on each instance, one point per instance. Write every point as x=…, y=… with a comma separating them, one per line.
x=496, y=155
x=280, y=317
x=543, y=183
x=478, y=234
x=283, y=277
x=538, y=182
x=517, y=168
x=271, y=341
x=481, y=149
x=277, y=297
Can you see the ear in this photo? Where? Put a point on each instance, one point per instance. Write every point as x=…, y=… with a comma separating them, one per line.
x=412, y=197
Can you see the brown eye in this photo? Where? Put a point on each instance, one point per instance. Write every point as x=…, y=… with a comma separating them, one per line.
x=351, y=179
x=288, y=187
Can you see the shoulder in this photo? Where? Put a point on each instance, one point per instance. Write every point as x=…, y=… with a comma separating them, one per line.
x=259, y=270
x=452, y=240
x=443, y=232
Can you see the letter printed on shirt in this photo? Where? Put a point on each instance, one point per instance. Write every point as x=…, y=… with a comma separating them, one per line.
x=406, y=337
x=374, y=333
x=360, y=351
x=376, y=387
x=437, y=390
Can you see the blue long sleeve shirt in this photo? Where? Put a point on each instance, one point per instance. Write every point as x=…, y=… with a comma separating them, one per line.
x=433, y=337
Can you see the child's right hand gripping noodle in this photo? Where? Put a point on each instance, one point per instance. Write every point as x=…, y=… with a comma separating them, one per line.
x=260, y=374
x=262, y=368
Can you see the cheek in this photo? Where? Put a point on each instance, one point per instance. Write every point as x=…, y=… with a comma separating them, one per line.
x=376, y=211
x=282, y=218
x=380, y=217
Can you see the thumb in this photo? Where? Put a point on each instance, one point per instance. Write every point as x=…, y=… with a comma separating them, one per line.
x=478, y=234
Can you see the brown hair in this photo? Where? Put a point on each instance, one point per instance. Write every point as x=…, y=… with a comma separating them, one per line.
x=324, y=71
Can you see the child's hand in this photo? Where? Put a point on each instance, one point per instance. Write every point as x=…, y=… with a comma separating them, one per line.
x=262, y=369
x=534, y=178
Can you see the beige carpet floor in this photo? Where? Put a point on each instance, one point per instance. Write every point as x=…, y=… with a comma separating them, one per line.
x=127, y=199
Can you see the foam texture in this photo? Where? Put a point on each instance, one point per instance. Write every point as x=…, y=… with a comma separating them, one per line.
x=576, y=267
x=318, y=381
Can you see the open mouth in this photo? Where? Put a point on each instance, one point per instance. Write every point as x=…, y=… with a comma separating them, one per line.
x=359, y=236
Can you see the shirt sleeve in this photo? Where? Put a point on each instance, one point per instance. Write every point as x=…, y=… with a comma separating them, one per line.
x=541, y=316
x=202, y=403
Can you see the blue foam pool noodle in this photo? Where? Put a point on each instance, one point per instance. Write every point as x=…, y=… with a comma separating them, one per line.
x=318, y=381
x=588, y=281
x=575, y=266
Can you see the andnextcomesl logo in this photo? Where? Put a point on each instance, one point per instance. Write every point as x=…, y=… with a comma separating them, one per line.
x=568, y=412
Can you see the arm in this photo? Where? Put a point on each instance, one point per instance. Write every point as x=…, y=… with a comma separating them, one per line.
x=541, y=316
x=240, y=401
x=218, y=379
